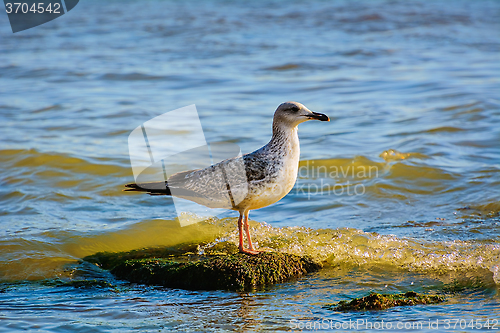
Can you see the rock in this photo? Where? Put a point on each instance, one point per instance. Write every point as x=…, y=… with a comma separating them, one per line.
x=189, y=271
x=376, y=301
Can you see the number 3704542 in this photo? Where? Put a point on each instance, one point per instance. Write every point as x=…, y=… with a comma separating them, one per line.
x=36, y=8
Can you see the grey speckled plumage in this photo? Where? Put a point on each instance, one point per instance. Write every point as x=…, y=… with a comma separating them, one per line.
x=251, y=181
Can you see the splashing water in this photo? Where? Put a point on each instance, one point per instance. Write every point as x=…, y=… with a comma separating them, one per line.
x=348, y=246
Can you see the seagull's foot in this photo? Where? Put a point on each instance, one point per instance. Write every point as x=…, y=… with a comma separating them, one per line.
x=248, y=251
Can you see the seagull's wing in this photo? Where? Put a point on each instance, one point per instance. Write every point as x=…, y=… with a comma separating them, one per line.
x=195, y=185
x=256, y=167
x=222, y=185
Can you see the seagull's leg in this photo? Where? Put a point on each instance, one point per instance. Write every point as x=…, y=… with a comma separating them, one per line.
x=240, y=230
x=247, y=230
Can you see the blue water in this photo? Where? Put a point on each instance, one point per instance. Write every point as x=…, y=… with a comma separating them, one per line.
x=411, y=88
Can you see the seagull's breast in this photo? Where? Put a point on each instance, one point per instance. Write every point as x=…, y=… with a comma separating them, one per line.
x=273, y=188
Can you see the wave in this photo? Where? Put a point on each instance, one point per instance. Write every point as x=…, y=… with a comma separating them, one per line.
x=394, y=177
x=40, y=243
x=59, y=170
x=48, y=255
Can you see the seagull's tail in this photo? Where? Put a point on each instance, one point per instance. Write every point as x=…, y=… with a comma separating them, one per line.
x=154, y=188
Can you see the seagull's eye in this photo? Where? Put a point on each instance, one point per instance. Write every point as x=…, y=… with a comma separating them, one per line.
x=294, y=108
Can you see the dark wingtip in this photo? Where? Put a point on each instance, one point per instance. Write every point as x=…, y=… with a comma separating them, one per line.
x=158, y=188
x=131, y=187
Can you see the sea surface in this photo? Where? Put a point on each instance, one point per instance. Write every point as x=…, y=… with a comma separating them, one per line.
x=399, y=192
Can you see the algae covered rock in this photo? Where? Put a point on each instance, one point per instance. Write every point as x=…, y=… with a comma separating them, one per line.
x=231, y=271
x=108, y=260
x=376, y=301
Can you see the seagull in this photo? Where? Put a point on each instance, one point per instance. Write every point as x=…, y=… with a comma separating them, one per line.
x=247, y=182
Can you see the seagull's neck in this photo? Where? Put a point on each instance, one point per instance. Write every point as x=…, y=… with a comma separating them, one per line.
x=285, y=137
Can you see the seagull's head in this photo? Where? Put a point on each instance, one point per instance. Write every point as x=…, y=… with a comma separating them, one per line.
x=294, y=113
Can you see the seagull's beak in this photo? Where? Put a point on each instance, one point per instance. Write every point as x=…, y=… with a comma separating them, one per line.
x=318, y=116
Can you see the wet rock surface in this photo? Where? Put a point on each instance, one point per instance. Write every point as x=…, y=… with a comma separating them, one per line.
x=376, y=301
x=189, y=271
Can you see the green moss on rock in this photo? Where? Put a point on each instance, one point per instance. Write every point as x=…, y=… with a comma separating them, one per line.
x=376, y=301
x=231, y=272
x=108, y=260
